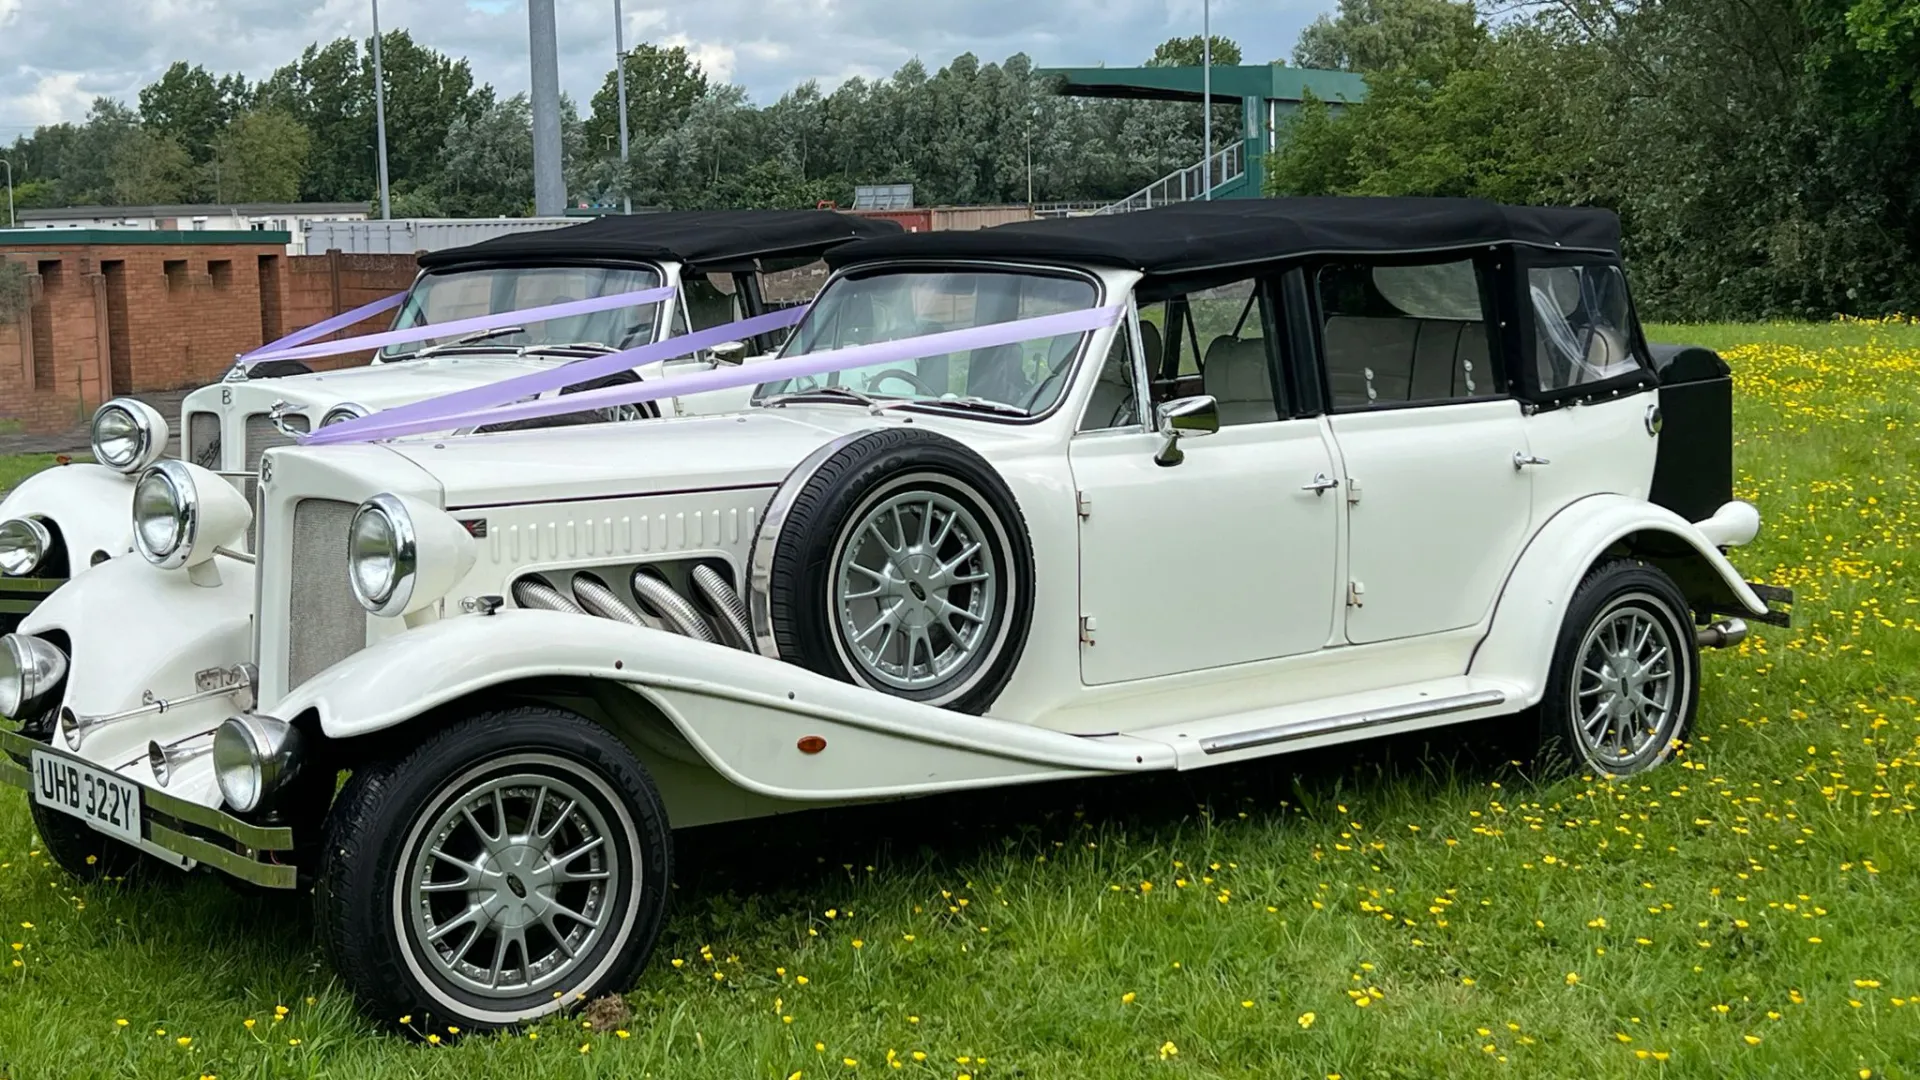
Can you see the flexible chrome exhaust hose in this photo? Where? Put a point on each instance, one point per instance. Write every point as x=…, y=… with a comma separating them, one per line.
x=733, y=613
x=679, y=615
x=594, y=595
x=535, y=593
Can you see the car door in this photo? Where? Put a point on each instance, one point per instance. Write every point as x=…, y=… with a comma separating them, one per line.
x=1433, y=450
x=1227, y=557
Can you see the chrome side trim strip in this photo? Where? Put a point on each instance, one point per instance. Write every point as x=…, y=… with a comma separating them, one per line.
x=1367, y=718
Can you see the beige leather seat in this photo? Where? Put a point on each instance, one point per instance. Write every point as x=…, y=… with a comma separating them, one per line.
x=1114, y=403
x=1376, y=360
x=1236, y=376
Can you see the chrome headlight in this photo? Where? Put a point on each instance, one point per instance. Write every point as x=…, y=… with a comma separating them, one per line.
x=182, y=513
x=383, y=556
x=342, y=413
x=254, y=756
x=24, y=543
x=30, y=668
x=404, y=554
x=128, y=435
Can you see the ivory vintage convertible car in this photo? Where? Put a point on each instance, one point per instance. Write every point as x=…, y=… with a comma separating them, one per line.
x=1307, y=471
x=63, y=521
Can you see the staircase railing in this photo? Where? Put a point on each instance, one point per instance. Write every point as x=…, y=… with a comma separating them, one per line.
x=1229, y=165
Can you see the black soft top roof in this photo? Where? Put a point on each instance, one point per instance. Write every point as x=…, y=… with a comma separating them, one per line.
x=704, y=239
x=1194, y=237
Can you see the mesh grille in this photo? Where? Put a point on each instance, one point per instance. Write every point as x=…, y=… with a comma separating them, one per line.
x=325, y=623
x=203, y=440
x=262, y=436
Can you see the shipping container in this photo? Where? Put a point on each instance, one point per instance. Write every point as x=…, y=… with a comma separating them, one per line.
x=408, y=235
x=962, y=218
x=910, y=220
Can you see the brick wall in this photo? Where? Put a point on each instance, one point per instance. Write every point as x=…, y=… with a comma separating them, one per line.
x=319, y=287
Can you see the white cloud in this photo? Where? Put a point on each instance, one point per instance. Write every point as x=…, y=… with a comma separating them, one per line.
x=57, y=54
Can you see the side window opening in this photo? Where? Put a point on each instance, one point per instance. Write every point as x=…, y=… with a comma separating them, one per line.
x=1582, y=325
x=1116, y=398
x=1405, y=334
x=1235, y=367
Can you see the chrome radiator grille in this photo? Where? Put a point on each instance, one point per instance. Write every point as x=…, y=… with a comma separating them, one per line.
x=262, y=436
x=325, y=623
x=203, y=440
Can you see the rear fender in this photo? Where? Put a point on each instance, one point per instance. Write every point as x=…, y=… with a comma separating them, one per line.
x=90, y=506
x=745, y=715
x=1526, y=621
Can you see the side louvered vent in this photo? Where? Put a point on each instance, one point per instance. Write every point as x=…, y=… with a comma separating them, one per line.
x=326, y=623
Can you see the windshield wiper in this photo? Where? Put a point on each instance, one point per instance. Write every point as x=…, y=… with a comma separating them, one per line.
x=595, y=348
x=464, y=341
x=958, y=402
x=847, y=392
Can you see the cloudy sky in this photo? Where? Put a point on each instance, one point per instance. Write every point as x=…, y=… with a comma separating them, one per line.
x=57, y=55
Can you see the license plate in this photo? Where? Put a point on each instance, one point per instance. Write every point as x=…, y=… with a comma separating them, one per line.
x=101, y=799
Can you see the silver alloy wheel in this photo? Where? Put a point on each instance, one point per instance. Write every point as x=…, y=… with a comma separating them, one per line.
x=1627, y=692
x=510, y=889
x=914, y=588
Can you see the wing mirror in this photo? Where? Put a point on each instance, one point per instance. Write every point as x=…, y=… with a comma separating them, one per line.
x=729, y=352
x=1197, y=415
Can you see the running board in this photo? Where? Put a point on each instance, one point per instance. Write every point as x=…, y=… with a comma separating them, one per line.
x=1352, y=721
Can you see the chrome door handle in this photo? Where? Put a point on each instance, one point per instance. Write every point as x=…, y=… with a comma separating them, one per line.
x=1522, y=459
x=1320, y=483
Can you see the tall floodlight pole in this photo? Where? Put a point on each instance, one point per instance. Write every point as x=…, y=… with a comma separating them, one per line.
x=620, y=80
x=380, y=117
x=1206, y=98
x=549, y=189
x=11, y=223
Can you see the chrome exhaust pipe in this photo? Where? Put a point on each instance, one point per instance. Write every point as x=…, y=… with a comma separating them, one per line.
x=670, y=607
x=1723, y=634
x=733, y=613
x=535, y=593
x=593, y=594
x=166, y=760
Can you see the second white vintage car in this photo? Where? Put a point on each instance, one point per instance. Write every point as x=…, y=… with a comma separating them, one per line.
x=1310, y=471
x=62, y=521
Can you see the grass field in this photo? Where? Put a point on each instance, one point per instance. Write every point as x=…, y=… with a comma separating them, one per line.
x=1411, y=909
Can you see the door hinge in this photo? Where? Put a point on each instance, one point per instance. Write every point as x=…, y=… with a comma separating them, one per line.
x=1356, y=594
x=1087, y=627
x=1353, y=491
x=1083, y=504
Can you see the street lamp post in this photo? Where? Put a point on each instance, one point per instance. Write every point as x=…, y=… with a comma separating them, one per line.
x=380, y=117
x=620, y=80
x=1206, y=98
x=11, y=223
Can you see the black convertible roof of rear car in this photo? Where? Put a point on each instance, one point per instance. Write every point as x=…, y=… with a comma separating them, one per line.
x=704, y=239
x=1194, y=237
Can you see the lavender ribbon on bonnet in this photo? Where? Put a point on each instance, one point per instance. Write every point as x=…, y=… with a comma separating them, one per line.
x=443, y=414
x=324, y=327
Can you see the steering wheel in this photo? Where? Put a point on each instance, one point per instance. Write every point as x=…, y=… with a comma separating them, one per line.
x=904, y=376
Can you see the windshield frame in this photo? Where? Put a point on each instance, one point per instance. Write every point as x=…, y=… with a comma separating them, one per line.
x=666, y=273
x=879, y=267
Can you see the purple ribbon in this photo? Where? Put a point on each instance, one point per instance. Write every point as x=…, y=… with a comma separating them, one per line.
x=454, y=328
x=322, y=329
x=382, y=426
x=429, y=415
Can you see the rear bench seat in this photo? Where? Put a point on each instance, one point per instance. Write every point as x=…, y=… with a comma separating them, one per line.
x=1375, y=360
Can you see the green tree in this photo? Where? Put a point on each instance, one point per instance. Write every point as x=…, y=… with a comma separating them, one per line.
x=1187, y=52
x=662, y=86
x=149, y=168
x=324, y=91
x=426, y=92
x=262, y=157
x=1426, y=37
x=190, y=106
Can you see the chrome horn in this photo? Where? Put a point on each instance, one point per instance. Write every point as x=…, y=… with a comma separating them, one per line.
x=238, y=681
x=166, y=759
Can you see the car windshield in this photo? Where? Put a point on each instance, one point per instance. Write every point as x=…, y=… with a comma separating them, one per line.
x=464, y=294
x=890, y=305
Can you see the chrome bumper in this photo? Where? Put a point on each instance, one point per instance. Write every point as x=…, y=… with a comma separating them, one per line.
x=168, y=824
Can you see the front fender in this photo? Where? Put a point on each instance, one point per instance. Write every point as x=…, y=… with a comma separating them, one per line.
x=90, y=505
x=743, y=714
x=1526, y=620
x=136, y=630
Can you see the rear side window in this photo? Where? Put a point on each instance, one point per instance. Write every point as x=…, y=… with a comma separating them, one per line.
x=1405, y=334
x=1582, y=325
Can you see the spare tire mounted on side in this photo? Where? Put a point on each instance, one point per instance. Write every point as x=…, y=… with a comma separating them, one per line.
x=896, y=559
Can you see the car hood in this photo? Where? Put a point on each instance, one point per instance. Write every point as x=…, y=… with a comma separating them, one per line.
x=375, y=386
x=755, y=448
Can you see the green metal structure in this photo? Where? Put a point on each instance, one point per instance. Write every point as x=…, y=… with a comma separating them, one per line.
x=1268, y=94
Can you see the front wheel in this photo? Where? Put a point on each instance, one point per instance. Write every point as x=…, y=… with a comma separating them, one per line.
x=1625, y=678
x=512, y=865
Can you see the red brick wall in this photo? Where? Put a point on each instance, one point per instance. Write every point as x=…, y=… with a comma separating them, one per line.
x=321, y=286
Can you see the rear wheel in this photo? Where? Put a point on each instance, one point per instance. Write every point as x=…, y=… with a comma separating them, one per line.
x=1625, y=678
x=510, y=866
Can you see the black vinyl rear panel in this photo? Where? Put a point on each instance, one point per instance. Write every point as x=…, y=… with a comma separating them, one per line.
x=1693, y=472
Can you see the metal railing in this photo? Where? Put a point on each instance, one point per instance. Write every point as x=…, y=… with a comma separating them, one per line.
x=1067, y=209
x=1229, y=165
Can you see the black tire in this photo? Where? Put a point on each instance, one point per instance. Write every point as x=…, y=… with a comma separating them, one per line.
x=1616, y=594
x=370, y=923
x=87, y=855
x=278, y=369
x=826, y=500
